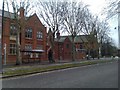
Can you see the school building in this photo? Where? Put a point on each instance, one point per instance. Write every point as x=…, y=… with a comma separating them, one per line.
x=34, y=42
x=32, y=37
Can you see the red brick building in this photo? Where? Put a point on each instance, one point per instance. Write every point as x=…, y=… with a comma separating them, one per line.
x=63, y=47
x=32, y=37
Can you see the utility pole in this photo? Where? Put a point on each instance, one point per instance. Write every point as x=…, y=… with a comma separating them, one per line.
x=119, y=28
x=1, y=36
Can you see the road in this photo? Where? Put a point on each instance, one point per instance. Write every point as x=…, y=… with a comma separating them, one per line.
x=94, y=76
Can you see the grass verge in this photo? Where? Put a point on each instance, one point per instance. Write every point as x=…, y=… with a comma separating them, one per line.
x=32, y=70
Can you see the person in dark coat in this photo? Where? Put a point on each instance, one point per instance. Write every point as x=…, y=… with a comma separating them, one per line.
x=50, y=55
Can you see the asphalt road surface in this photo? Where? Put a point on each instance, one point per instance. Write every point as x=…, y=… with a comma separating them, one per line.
x=94, y=76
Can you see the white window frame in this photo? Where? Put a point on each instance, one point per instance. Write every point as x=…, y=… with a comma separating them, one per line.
x=13, y=52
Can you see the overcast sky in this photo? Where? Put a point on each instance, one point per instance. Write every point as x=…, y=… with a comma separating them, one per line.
x=96, y=6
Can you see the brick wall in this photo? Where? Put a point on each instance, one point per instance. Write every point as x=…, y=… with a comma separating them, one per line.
x=32, y=22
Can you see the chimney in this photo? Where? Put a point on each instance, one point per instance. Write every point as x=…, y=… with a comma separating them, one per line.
x=58, y=35
x=22, y=12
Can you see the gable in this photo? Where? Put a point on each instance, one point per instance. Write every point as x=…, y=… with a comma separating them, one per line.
x=35, y=20
x=67, y=40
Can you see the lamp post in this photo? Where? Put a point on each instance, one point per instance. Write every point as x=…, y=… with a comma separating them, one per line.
x=119, y=28
x=100, y=47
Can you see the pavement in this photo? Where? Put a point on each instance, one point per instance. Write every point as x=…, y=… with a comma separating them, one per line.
x=41, y=64
x=44, y=64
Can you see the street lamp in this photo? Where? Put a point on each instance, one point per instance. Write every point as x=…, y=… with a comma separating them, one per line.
x=118, y=41
x=119, y=28
x=100, y=47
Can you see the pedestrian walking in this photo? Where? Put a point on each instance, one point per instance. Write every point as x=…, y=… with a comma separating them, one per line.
x=50, y=56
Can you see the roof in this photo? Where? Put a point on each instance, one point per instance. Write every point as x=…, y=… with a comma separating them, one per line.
x=7, y=14
x=62, y=39
x=80, y=38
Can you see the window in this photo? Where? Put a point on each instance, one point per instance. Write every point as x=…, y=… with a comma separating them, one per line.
x=13, y=49
x=13, y=31
x=28, y=33
x=37, y=55
x=67, y=45
x=28, y=47
x=39, y=47
x=39, y=35
x=81, y=47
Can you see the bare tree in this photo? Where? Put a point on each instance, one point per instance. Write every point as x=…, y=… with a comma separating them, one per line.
x=95, y=29
x=20, y=22
x=78, y=19
x=110, y=9
x=49, y=14
x=72, y=15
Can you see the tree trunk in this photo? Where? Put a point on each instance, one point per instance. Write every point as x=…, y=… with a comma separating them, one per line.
x=52, y=45
x=18, y=58
x=51, y=42
x=73, y=49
